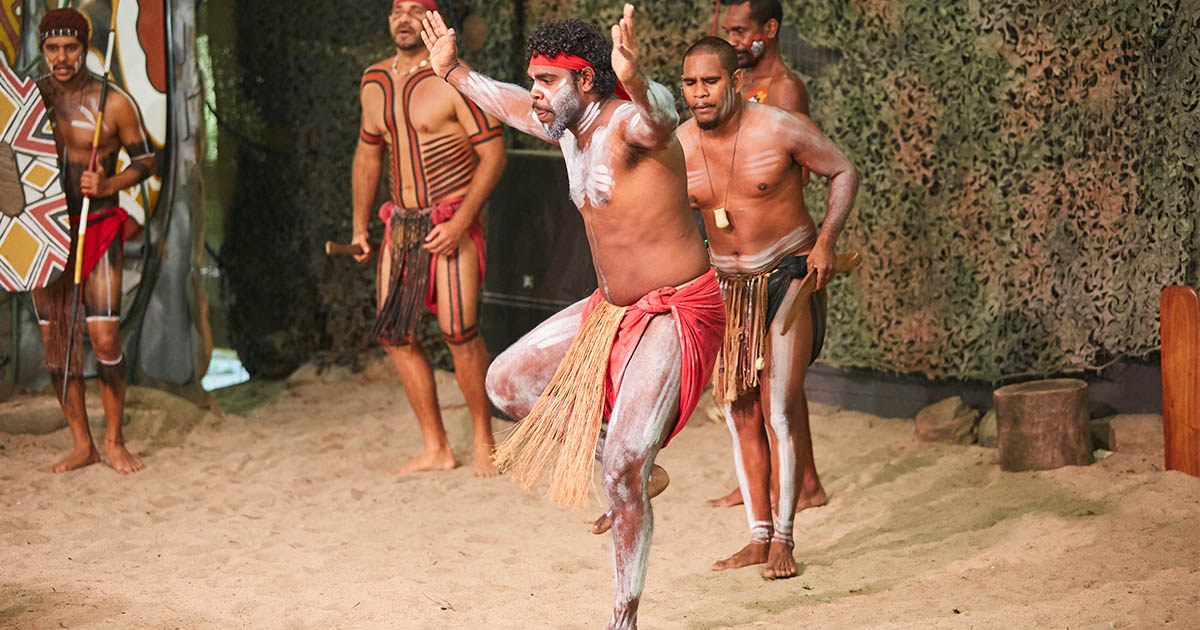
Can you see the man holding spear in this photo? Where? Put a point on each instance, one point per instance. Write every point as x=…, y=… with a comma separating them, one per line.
x=92, y=121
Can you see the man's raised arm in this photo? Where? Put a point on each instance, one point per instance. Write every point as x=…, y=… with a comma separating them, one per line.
x=812, y=149
x=510, y=103
x=654, y=122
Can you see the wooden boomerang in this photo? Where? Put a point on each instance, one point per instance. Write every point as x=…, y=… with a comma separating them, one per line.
x=332, y=249
x=841, y=264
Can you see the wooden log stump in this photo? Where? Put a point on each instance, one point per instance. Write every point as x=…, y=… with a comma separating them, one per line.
x=1179, y=316
x=1043, y=424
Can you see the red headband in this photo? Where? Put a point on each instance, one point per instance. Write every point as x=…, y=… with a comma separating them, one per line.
x=429, y=5
x=574, y=62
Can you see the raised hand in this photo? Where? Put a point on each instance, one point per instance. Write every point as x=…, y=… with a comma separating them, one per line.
x=441, y=42
x=626, y=52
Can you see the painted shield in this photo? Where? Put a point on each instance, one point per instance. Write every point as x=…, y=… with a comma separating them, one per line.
x=34, y=236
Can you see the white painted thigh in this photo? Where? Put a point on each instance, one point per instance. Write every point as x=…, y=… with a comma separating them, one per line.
x=648, y=403
x=518, y=376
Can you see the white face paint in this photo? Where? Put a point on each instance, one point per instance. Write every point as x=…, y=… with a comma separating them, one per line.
x=800, y=238
x=564, y=102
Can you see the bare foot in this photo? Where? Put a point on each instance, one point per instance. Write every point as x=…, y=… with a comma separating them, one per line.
x=729, y=500
x=76, y=459
x=427, y=461
x=811, y=499
x=483, y=460
x=659, y=480
x=780, y=563
x=122, y=460
x=753, y=553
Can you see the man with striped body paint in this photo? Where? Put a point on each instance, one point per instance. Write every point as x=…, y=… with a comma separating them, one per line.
x=745, y=164
x=442, y=156
x=73, y=94
x=640, y=349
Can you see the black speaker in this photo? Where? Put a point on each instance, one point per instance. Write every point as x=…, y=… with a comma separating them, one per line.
x=538, y=259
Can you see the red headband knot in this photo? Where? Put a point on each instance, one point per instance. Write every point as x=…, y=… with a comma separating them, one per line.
x=574, y=62
x=64, y=23
x=429, y=5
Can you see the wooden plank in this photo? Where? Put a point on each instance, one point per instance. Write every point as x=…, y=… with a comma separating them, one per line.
x=1180, y=320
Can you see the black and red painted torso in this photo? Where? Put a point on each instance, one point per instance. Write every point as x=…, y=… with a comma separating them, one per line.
x=428, y=160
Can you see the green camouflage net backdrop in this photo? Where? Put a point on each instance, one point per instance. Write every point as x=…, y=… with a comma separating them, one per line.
x=1028, y=171
x=1028, y=168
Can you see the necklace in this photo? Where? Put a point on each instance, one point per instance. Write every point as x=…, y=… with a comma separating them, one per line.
x=396, y=62
x=720, y=217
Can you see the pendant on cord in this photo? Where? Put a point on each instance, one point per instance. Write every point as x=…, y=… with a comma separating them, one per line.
x=721, y=218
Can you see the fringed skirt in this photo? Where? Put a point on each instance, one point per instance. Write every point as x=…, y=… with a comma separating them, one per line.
x=409, y=267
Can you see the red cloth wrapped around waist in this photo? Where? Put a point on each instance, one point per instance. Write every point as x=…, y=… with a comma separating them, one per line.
x=102, y=229
x=699, y=314
x=441, y=213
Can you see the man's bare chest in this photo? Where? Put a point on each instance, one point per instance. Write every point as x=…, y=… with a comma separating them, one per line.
x=721, y=175
x=420, y=107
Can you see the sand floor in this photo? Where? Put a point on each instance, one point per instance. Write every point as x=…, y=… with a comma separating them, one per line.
x=284, y=517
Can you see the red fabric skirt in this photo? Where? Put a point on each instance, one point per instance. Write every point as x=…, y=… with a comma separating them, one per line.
x=699, y=314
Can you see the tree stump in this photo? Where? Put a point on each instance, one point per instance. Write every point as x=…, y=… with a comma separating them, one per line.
x=1043, y=424
x=1180, y=320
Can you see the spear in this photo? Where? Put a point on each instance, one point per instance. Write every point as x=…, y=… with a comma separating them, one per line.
x=87, y=202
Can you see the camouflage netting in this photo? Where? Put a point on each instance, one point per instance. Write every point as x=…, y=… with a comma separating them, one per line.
x=1028, y=169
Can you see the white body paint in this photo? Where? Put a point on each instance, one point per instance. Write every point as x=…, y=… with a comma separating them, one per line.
x=785, y=447
x=588, y=170
x=647, y=402
x=762, y=165
x=739, y=467
x=800, y=238
x=501, y=100
x=552, y=334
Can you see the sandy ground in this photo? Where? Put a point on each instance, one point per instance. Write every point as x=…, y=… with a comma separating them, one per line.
x=283, y=516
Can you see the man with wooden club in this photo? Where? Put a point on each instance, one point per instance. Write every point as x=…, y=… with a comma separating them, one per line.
x=442, y=156
x=745, y=166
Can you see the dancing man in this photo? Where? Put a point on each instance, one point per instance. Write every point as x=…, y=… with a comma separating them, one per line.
x=443, y=156
x=73, y=96
x=639, y=350
x=752, y=28
x=745, y=165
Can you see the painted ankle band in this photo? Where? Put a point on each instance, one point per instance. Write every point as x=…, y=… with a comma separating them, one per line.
x=760, y=532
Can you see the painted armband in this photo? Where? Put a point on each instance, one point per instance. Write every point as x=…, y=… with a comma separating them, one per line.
x=370, y=138
x=141, y=156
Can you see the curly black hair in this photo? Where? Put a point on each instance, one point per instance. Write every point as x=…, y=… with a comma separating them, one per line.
x=576, y=37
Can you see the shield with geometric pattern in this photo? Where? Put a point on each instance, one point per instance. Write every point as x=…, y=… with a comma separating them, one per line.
x=34, y=228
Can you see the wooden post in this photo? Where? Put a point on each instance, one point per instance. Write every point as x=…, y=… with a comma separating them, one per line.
x=1179, y=316
x=1043, y=424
